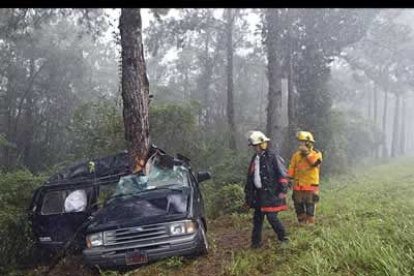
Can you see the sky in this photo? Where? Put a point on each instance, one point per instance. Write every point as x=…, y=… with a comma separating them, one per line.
x=146, y=16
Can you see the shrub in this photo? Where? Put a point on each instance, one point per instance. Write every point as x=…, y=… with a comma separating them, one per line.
x=353, y=139
x=16, y=190
x=228, y=199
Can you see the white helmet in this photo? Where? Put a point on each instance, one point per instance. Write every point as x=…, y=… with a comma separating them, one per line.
x=256, y=138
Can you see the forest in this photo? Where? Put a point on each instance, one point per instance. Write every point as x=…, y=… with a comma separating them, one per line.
x=206, y=77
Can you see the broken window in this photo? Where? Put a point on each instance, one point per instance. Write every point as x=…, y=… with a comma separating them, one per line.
x=64, y=201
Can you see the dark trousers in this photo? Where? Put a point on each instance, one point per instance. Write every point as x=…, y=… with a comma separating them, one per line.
x=258, y=225
x=305, y=203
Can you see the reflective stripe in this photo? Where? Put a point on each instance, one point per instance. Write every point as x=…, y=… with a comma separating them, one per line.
x=274, y=209
x=305, y=188
x=291, y=172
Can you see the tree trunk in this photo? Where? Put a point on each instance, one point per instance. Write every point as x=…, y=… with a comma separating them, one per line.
x=273, y=125
x=384, y=124
x=135, y=88
x=29, y=129
x=292, y=100
x=401, y=149
x=395, y=130
x=376, y=114
x=230, y=102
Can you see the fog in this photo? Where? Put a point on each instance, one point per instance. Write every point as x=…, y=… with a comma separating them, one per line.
x=346, y=75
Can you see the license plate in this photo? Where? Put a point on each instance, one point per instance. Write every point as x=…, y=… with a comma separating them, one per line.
x=136, y=257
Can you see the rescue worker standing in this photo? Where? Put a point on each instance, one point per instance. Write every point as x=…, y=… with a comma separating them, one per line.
x=266, y=188
x=304, y=169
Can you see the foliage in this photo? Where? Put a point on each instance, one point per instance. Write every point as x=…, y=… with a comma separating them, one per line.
x=48, y=66
x=173, y=127
x=96, y=130
x=353, y=139
x=220, y=200
x=16, y=190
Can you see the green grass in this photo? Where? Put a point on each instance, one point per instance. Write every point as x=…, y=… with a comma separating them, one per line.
x=364, y=226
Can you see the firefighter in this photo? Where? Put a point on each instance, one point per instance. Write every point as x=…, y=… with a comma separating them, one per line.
x=266, y=188
x=304, y=170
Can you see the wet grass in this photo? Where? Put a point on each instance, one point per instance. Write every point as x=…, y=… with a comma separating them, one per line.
x=365, y=226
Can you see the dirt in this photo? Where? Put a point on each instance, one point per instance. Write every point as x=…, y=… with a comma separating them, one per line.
x=226, y=235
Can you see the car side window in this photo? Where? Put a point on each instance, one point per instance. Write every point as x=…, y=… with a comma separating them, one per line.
x=53, y=203
x=64, y=201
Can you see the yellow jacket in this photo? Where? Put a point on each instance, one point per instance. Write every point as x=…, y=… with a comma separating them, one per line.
x=305, y=170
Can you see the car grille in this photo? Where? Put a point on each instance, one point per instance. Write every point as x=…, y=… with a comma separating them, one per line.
x=138, y=234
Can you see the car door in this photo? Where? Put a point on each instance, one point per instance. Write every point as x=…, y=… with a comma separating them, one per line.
x=61, y=210
x=199, y=210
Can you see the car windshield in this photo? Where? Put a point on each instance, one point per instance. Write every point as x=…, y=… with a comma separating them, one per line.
x=159, y=176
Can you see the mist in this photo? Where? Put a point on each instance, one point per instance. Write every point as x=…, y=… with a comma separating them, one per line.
x=214, y=74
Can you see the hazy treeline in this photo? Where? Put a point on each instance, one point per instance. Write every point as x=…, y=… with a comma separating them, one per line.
x=343, y=74
x=346, y=75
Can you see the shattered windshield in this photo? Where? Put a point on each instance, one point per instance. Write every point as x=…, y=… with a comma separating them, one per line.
x=158, y=176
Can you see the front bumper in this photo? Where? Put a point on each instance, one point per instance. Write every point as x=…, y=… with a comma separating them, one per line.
x=113, y=256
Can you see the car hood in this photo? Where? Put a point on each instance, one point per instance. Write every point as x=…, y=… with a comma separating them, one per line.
x=143, y=208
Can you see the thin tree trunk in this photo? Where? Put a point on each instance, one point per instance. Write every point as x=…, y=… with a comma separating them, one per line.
x=375, y=104
x=135, y=88
x=29, y=128
x=370, y=96
x=230, y=102
x=273, y=125
x=376, y=114
x=403, y=133
x=384, y=124
x=395, y=131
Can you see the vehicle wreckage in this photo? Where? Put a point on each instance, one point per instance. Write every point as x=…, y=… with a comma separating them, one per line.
x=154, y=214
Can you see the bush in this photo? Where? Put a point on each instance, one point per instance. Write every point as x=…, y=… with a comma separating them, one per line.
x=353, y=139
x=226, y=200
x=16, y=190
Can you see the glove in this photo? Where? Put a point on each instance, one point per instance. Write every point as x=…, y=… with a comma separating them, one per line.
x=290, y=184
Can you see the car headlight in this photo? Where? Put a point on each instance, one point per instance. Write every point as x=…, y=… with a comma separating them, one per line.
x=94, y=240
x=182, y=227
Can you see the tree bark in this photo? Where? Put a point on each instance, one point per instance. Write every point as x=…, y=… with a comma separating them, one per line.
x=135, y=88
x=292, y=97
x=395, y=131
x=230, y=101
x=376, y=114
x=401, y=149
x=384, y=124
x=273, y=125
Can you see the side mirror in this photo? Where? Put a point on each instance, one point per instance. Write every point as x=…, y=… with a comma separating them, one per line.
x=203, y=176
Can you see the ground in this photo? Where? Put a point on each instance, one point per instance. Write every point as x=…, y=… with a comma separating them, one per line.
x=364, y=226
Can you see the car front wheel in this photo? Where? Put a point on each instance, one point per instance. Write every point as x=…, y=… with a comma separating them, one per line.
x=203, y=242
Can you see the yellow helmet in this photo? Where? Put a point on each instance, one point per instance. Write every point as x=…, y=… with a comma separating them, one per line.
x=305, y=136
x=256, y=138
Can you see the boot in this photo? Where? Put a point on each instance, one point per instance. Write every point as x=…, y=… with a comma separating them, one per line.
x=310, y=220
x=302, y=218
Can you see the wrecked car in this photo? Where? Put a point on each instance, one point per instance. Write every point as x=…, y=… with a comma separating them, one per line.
x=155, y=214
x=62, y=204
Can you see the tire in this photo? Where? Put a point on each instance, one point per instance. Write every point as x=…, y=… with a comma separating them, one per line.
x=203, y=242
